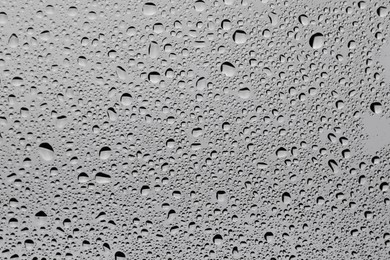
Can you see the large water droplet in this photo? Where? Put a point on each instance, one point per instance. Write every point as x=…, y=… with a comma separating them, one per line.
x=13, y=41
x=3, y=18
x=286, y=198
x=105, y=153
x=102, y=178
x=217, y=240
x=46, y=152
x=239, y=37
x=244, y=93
x=149, y=9
x=317, y=41
x=382, y=11
x=228, y=69
x=376, y=107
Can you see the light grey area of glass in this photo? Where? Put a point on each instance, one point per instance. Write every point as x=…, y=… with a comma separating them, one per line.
x=195, y=129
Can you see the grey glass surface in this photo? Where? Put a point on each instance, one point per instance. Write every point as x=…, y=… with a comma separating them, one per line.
x=195, y=129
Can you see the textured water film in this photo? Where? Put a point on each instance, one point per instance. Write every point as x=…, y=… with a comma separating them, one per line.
x=194, y=129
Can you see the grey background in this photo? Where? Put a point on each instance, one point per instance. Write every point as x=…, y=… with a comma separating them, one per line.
x=207, y=129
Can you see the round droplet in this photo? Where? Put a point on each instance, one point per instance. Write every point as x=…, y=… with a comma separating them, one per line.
x=376, y=107
x=239, y=37
x=154, y=77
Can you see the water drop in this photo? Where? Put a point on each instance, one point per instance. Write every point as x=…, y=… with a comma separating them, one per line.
x=217, y=240
x=105, y=153
x=46, y=151
x=239, y=37
x=3, y=18
x=13, y=41
x=228, y=69
x=376, y=107
x=244, y=93
x=317, y=41
x=382, y=11
x=304, y=20
x=154, y=77
x=149, y=9
x=102, y=178
x=286, y=198
x=269, y=237
x=145, y=190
